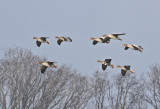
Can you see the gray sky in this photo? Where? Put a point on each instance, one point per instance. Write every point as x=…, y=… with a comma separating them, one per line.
x=20, y=20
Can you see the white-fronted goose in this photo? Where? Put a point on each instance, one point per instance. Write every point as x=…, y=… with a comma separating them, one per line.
x=105, y=63
x=124, y=69
x=100, y=39
x=114, y=36
x=133, y=46
x=63, y=38
x=45, y=65
x=41, y=40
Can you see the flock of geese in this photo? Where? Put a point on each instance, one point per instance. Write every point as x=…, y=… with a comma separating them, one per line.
x=103, y=39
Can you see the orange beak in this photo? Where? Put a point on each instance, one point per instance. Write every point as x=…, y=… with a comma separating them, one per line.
x=48, y=42
x=112, y=66
x=120, y=39
x=37, y=62
x=131, y=71
x=140, y=51
x=55, y=66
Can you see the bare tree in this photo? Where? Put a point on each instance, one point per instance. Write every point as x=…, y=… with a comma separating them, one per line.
x=22, y=86
x=152, y=85
x=100, y=85
x=125, y=92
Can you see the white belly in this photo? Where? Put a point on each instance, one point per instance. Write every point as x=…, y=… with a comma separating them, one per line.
x=40, y=40
x=46, y=64
x=112, y=36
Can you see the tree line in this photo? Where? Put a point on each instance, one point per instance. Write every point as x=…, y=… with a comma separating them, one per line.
x=22, y=86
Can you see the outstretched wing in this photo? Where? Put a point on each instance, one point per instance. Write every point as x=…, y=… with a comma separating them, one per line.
x=44, y=38
x=59, y=41
x=108, y=60
x=43, y=68
x=126, y=48
x=127, y=67
x=140, y=47
x=137, y=46
x=116, y=34
x=50, y=63
x=68, y=39
x=38, y=43
x=123, y=72
x=95, y=42
x=104, y=67
x=106, y=39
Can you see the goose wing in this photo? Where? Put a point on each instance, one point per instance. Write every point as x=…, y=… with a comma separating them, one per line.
x=44, y=38
x=95, y=42
x=137, y=46
x=38, y=43
x=104, y=67
x=126, y=48
x=140, y=47
x=105, y=39
x=127, y=67
x=43, y=68
x=108, y=60
x=116, y=34
x=59, y=41
x=68, y=39
x=50, y=63
x=123, y=72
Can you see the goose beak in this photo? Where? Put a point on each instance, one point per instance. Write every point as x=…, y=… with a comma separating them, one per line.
x=131, y=71
x=112, y=66
x=37, y=62
x=48, y=42
x=140, y=51
x=55, y=66
x=120, y=39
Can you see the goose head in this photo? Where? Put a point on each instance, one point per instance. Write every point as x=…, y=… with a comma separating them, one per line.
x=132, y=71
x=34, y=38
x=91, y=38
x=99, y=61
x=124, y=45
x=38, y=62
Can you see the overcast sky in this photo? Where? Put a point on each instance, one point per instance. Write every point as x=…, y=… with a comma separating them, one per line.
x=20, y=20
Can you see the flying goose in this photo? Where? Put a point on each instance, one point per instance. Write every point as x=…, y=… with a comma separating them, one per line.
x=105, y=63
x=124, y=69
x=114, y=36
x=45, y=65
x=61, y=39
x=132, y=46
x=100, y=39
x=41, y=40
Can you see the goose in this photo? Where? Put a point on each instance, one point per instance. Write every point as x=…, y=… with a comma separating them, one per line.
x=61, y=39
x=105, y=63
x=100, y=39
x=45, y=65
x=133, y=46
x=114, y=36
x=41, y=40
x=124, y=69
